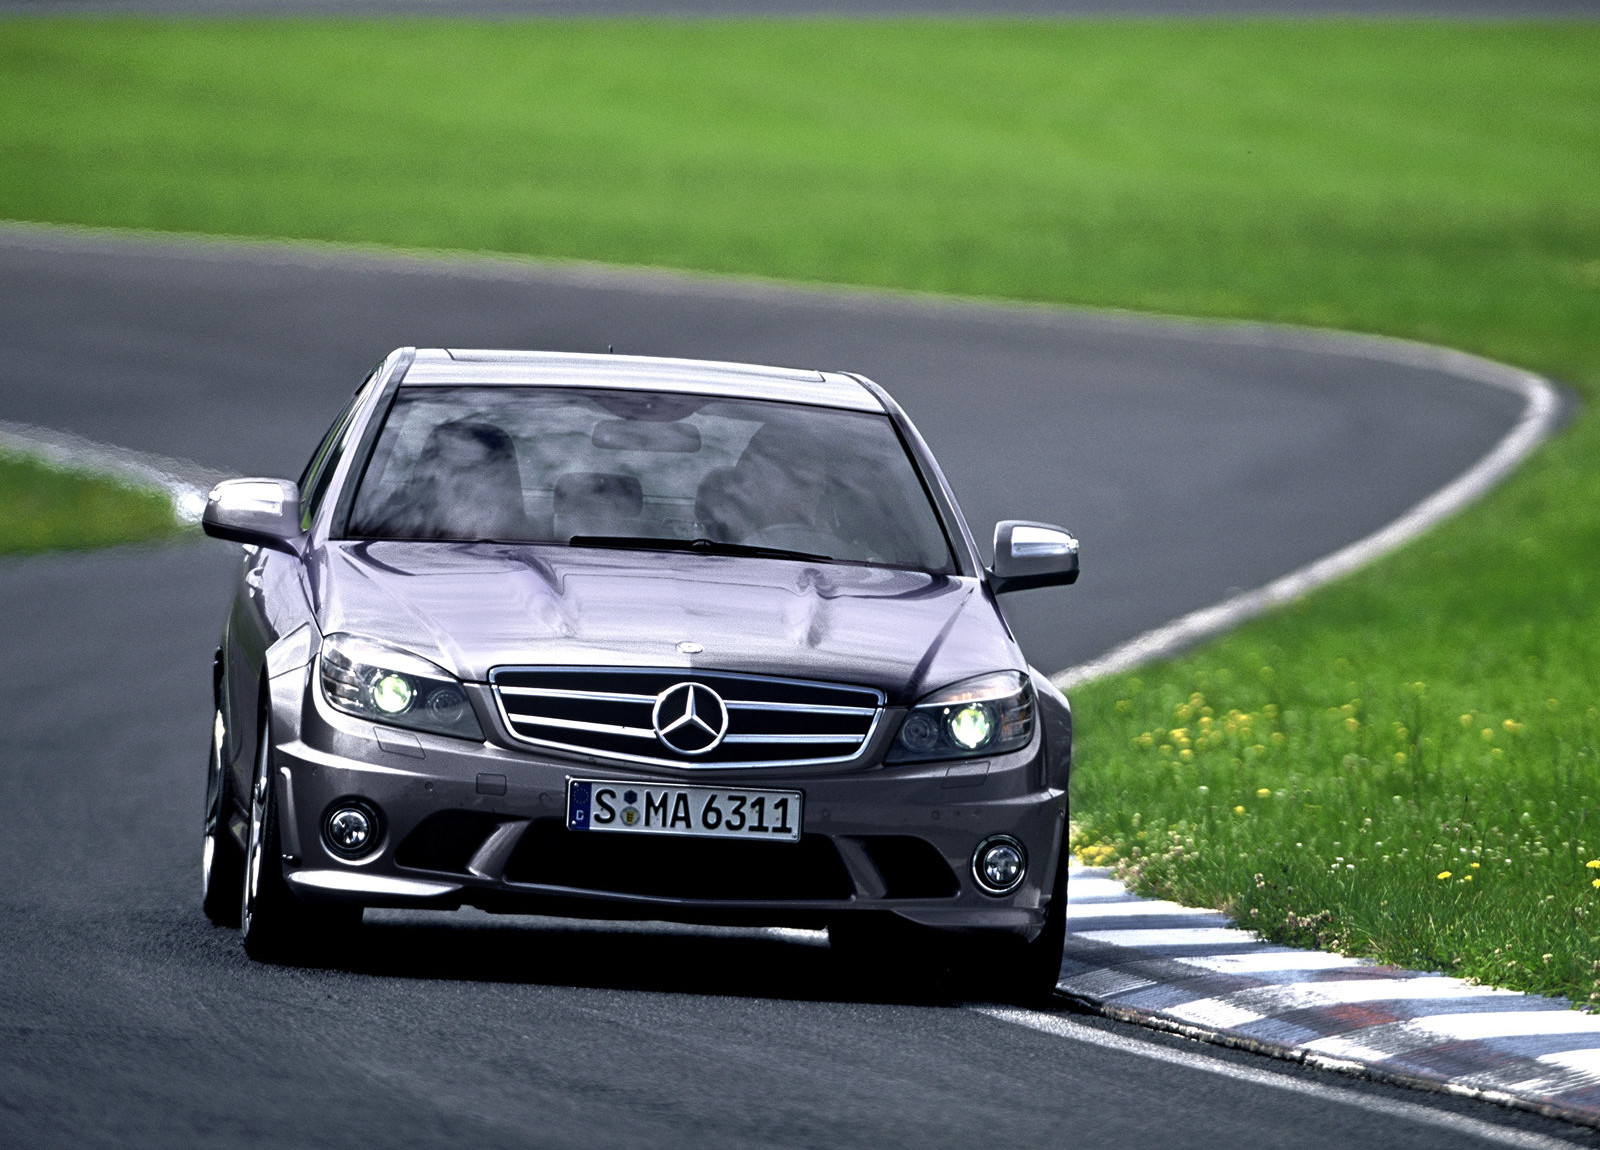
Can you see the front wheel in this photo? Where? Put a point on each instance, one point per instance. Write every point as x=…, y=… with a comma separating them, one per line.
x=979, y=965
x=1026, y=973
x=275, y=925
x=221, y=859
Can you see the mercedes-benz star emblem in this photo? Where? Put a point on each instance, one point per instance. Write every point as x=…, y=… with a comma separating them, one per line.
x=690, y=718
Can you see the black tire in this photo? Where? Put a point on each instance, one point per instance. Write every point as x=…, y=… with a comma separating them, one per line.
x=221, y=856
x=1039, y=968
x=880, y=939
x=1024, y=973
x=274, y=925
x=888, y=955
x=981, y=966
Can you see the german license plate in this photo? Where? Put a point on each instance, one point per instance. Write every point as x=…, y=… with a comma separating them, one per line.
x=703, y=812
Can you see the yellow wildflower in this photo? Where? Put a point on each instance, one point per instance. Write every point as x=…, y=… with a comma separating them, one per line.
x=1238, y=810
x=1444, y=874
x=1262, y=792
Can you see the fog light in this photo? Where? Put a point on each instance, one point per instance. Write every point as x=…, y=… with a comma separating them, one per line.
x=350, y=828
x=999, y=864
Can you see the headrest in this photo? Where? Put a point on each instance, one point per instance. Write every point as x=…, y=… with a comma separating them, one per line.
x=598, y=493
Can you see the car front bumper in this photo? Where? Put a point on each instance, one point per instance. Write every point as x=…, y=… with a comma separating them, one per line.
x=484, y=824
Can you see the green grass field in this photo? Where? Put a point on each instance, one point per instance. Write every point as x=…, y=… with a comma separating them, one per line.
x=1429, y=180
x=45, y=508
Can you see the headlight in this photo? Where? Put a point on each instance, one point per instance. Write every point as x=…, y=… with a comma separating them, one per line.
x=984, y=716
x=375, y=681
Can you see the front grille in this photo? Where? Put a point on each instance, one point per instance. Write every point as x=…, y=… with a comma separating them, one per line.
x=663, y=866
x=614, y=713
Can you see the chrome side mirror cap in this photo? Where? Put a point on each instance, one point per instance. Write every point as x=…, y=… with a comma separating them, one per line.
x=1032, y=555
x=263, y=512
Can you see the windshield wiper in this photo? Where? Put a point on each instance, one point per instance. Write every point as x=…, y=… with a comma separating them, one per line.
x=700, y=546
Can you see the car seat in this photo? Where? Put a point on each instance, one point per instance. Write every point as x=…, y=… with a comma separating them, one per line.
x=466, y=484
x=597, y=503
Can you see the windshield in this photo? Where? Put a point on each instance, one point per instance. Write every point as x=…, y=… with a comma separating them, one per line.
x=636, y=469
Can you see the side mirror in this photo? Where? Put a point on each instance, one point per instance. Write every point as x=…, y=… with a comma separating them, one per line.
x=265, y=512
x=1032, y=555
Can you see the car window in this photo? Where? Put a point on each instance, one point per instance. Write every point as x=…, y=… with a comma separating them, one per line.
x=325, y=460
x=550, y=465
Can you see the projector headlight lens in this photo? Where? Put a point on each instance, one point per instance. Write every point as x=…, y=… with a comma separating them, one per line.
x=988, y=715
x=392, y=694
x=386, y=684
x=972, y=726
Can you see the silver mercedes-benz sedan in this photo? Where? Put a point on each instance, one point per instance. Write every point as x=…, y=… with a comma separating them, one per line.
x=619, y=637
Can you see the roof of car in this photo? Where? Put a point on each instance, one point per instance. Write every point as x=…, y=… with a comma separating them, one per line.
x=640, y=373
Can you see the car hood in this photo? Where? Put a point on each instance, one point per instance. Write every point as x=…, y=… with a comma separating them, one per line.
x=473, y=606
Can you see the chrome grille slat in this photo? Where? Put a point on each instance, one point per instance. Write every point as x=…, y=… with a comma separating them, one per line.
x=610, y=713
x=577, y=725
x=743, y=705
x=556, y=693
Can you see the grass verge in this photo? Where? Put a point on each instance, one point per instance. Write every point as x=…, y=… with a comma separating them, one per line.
x=1430, y=180
x=1405, y=765
x=47, y=508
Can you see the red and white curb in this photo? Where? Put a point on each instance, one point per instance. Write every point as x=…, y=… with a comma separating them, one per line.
x=1192, y=972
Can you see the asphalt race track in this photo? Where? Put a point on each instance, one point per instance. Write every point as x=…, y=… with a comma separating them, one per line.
x=1191, y=461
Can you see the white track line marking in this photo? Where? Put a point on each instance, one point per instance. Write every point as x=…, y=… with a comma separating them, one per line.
x=1540, y=415
x=185, y=483
x=1390, y=1108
